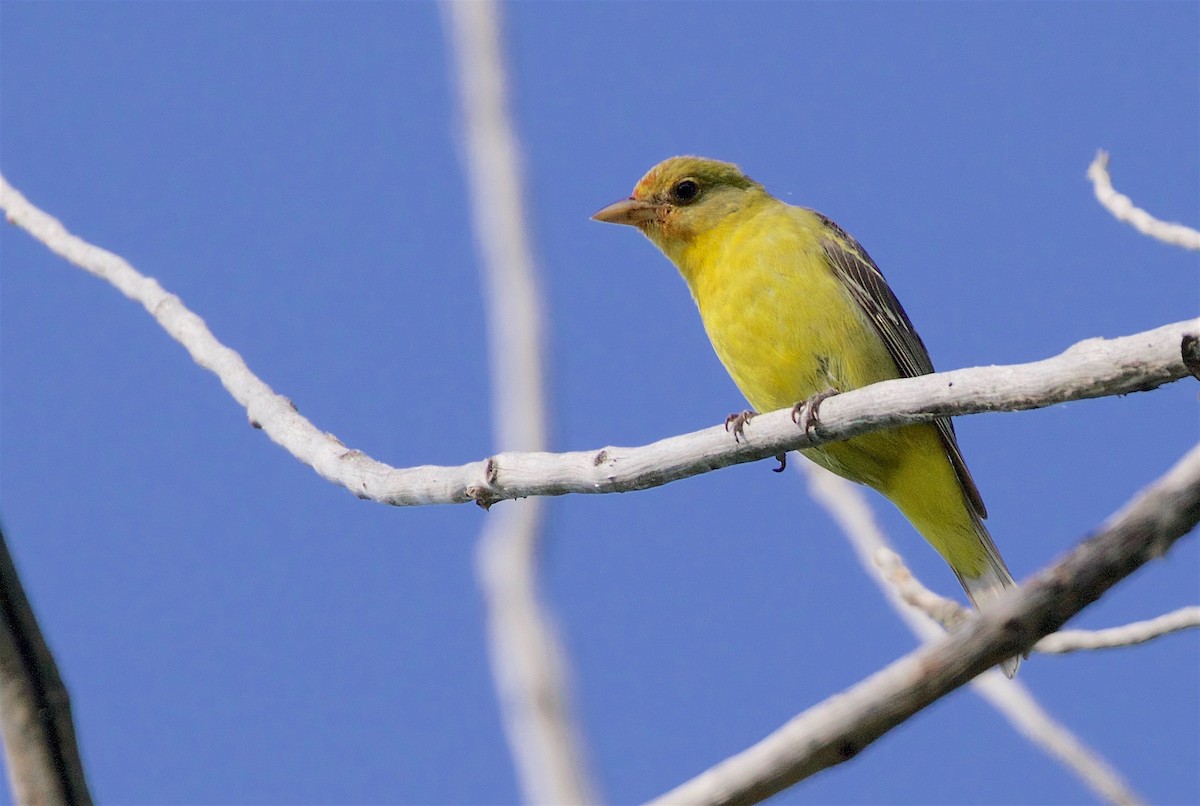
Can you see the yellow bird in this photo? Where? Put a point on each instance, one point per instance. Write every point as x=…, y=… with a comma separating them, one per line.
x=796, y=310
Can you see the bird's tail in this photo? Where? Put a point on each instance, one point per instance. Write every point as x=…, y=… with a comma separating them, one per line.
x=991, y=582
x=911, y=467
x=956, y=530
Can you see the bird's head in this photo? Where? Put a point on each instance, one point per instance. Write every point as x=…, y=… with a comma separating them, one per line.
x=682, y=197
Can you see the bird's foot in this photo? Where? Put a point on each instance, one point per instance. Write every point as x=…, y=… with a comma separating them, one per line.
x=736, y=423
x=806, y=413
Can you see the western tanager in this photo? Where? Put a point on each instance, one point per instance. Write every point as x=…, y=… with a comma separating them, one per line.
x=795, y=309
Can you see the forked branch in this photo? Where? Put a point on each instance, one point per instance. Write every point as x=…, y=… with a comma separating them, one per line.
x=839, y=728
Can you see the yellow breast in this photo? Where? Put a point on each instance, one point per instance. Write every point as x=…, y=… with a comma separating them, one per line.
x=777, y=315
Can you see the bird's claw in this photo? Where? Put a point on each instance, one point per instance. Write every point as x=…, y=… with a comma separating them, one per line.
x=806, y=413
x=736, y=423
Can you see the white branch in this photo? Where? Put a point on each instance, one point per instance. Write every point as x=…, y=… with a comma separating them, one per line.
x=949, y=613
x=1122, y=207
x=839, y=728
x=528, y=664
x=1027, y=716
x=1090, y=368
x=889, y=566
x=1185, y=618
x=926, y=614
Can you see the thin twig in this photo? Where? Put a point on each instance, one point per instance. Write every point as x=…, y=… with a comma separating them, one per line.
x=886, y=565
x=1138, y=632
x=839, y=728
x=1122, y=207
x=528, y=663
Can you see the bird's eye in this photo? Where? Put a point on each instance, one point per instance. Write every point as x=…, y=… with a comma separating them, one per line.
x=685, y=191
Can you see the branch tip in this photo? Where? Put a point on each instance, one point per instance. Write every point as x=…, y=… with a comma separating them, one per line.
x=1123, y=209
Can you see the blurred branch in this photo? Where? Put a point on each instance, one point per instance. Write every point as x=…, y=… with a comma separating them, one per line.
x=35, y=711
x=1090, y=368
x=848, y=507
x=1122, y=207
x=528, y=664
x=839, y=728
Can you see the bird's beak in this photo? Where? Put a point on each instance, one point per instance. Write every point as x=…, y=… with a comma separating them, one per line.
x=631, y=211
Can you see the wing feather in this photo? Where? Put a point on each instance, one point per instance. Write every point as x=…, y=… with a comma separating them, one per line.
x=867, y=286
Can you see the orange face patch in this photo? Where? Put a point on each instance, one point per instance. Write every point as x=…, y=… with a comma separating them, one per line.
x=648, y=184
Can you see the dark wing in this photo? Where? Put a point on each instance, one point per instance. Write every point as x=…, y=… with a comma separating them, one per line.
x=865, y=282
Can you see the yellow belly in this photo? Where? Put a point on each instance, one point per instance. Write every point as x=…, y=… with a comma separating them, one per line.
x=785, y=328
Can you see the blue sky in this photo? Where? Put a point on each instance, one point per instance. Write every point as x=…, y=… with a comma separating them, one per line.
x=235, y=629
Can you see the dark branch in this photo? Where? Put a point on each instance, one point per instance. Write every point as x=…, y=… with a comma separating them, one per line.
x=39, y=736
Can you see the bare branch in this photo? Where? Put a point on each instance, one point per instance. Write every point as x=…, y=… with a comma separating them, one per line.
x=1091, y=368
x=1122, y=207
x=949, y=613
x=528, y=663
x=39, y=735
x=1027, y=716
x=837, y=729
x=848, y=506
x=1185, y=618
x=890, y=567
